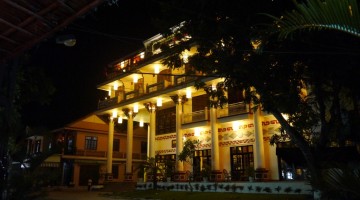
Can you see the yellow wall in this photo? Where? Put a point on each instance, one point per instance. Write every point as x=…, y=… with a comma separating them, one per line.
x=229, y=136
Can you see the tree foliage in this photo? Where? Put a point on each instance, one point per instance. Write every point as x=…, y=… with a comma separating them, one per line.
x=312, y=15
x=20, y=85
x=188, y=152
x=312, y=80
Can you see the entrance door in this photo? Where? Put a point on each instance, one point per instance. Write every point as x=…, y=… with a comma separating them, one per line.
x=89, y=171
x=242, y=158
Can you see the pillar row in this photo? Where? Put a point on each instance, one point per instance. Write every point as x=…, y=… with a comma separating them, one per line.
x=110, y=147
x=179, y=101
x=215, y=165
x=151, y=108
x=259, y=161
x=129, y=139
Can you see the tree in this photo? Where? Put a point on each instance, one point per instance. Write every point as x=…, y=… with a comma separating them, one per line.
x=20, y=85
x=288, y=75
x=313, y=15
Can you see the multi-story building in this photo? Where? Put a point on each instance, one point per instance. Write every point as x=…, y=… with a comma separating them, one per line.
x=85, y=150
x=142, y=89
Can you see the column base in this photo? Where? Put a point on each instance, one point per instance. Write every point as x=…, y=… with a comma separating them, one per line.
x=261, y=174
x=180, y=176
x=108, y=177
x=128, y=177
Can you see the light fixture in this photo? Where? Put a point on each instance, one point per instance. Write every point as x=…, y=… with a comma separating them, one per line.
x=136, y=108
x=188, y=93
x=185, y=58
x=120, y=120
x=142, y=55
x=114, y=113
x=156, y=69
x=213, y=87
x=67, y=40
x=236, y=125
x=159, y=102
x=135, y=78
x=197, y=132
x=141, y=124
x=109, y=92
x=116, y=86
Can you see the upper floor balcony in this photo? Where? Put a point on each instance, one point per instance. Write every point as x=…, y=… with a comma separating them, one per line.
x=155, y=49
x=229, y=110
x=102, y=154
x=144, y=86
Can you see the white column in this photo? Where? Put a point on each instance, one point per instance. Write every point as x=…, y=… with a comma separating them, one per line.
x=129, y=145
x=152, y=131
x=259, y=161
x=179, y=136
x=148, y=142
x=110, y=147
x=215, y=165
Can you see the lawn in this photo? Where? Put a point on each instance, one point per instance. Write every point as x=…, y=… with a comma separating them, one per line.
x=168, y=195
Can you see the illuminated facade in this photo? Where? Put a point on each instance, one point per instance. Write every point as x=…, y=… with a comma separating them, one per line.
x=141, y=89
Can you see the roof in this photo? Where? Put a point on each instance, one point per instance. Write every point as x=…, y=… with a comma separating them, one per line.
x=25, y=23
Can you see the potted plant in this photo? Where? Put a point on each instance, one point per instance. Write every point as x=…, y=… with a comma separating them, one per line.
x=250, y=172
x=141, y=173
x=205, y=173
x=169, y=170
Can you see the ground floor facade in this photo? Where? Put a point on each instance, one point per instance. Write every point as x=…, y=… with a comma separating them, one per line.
x=237, y=150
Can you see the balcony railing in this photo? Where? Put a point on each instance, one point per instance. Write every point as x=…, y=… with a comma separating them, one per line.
x=154, y=87
x=103, y=154
x=196, y=116
x=233, y=109
x=180, y=79
x=132, y=94
x=108, y=102
x=90, y=153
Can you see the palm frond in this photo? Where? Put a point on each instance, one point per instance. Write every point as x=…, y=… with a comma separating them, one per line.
x=340, y=15
x=346, y=181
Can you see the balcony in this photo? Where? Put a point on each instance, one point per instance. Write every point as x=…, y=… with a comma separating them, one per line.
x=90, y=153
x=131, y=95
x=233, y=109
x=103, y=154
x=108, y=102
x=155, y=87
x=197, y=116
x=183, y=79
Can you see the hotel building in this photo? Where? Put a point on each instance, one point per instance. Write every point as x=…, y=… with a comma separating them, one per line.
x=142, y=90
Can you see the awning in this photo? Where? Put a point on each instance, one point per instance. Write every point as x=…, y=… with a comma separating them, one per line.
x=52, y=161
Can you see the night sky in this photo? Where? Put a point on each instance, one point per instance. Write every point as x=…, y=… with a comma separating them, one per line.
x=102, y=36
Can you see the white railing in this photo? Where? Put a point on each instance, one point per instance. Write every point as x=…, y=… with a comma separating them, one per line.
x=196, y=116
x=233, y=109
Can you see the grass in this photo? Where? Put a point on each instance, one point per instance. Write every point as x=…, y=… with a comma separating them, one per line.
x=168, y=195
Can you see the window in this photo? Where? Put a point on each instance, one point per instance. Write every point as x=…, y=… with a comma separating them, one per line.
x=242, y=158
x=200, y=102
x=90, y=143
x=165, y=158
x=37, y=146
x=235, y=95
x=115, y=171
x=116, y=145
x=202, y=158
x=166, y=121
x=143, y=147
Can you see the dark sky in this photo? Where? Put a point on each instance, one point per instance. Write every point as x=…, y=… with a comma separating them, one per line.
x=102, y=36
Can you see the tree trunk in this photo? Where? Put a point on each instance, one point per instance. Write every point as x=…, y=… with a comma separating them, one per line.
x=301, y=143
